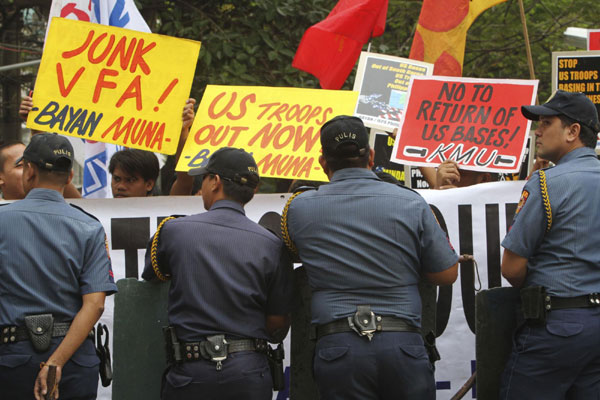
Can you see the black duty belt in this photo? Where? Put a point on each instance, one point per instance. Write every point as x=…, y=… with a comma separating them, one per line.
x=11, y=334
x=382, y=324
x=560, y=303
x=192, y=351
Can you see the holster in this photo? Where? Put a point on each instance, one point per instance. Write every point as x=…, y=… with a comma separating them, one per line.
x=432, y=351
x=39, y=330
x=275, y=357
x=103, y=353
x=533, y=304
x=172, y=345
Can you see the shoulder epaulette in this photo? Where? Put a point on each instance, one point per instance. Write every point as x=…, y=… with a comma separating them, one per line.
x=85, y=212
x=160, y=273
x=407, y=188
x=305, y=188
x=545, y=199
x=285, y=235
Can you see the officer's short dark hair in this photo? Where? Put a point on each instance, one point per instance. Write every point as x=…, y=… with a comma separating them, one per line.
x=136, y=162
x=236, y=192
x=4, y=146
x=57, y=177
x=586, y=135
x=335, y=163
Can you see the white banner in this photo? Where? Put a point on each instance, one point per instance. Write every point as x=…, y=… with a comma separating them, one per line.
x=476, y=218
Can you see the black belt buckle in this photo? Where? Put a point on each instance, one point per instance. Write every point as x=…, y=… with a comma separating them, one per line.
x=363, y=322
x=594, y=299
x=215, y=349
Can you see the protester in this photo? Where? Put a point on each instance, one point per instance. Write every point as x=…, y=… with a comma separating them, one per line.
x=551, y=252
x=449, y=175
x=11, y=184
x=55, y=275
x=133, y=173
x=230, y=288
x=366, y=310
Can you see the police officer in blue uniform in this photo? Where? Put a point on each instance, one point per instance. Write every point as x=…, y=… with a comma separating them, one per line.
x=230, y=288
x=552, y=253
x=365, y=245
x=55, y=275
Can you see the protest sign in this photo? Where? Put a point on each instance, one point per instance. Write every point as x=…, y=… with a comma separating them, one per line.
x=382, y=82
x=113, y=85
x=577, y=71
x=475, y=122
x=279, y=126
x=593, y=39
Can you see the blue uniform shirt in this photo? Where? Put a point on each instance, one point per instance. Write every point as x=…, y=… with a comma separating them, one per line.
x=565, y=260
x=50, y=255
x=227, y=273
x=366, y=242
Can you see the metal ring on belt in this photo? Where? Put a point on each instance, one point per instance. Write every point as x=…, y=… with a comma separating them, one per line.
x=11, y=334
x=191, y=350
x=382, y=323
x=585, y=301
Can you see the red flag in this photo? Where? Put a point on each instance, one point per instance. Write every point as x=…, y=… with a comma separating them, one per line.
x=330, y=48
x=441, y=33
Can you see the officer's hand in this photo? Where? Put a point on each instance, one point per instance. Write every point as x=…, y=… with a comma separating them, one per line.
x=25, y=107
x=447, y=175
x=41, y=388
x=188, y=113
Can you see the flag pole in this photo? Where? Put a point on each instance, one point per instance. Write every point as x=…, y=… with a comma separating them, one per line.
x=526, y=35
x=532, y=76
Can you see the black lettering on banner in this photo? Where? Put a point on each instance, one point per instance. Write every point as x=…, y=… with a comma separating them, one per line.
x=130, y=234
x=492, y=231
x=510, y=209
x=467, y=273
x=444, y=300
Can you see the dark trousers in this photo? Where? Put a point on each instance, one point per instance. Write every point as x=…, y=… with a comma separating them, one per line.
x=244, y=375
x=558, y=361
x=393, y=365
x=20, y=365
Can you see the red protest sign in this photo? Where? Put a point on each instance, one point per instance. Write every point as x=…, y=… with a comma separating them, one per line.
x=475, y=122
x=593, y=39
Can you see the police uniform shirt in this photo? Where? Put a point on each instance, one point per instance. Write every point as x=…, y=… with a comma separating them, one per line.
x=566, y=259
x=366, y=242
x=227, y=273
x=50, y=255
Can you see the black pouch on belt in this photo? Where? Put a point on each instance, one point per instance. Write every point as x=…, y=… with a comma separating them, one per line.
x=39, y=329
x=533, y=304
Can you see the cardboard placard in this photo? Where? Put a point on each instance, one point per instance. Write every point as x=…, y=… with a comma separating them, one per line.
x=475, y=122
x=279, y=126
x=113, y=85
x=382, y=82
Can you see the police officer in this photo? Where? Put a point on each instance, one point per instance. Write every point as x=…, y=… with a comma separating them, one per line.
x=552, y=253
x=230, y=288
x=365, y=245
x=55, y=275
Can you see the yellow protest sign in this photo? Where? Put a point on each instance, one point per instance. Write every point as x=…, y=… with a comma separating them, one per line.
x=113, y=85
x=279, y=126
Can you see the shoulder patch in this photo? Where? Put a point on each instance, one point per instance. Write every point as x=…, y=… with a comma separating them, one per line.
x=522, y=201
x=85, y=212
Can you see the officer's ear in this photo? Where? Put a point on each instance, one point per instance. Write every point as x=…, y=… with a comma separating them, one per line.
x=323, y=163
x=371, y=158
x=573, y=133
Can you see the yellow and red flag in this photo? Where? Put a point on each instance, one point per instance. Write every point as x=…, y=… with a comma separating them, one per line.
x=441, y=33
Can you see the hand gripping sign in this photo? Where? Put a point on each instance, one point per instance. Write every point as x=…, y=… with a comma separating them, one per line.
x=113, y=85
x=475, y=122
x=279, y=126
